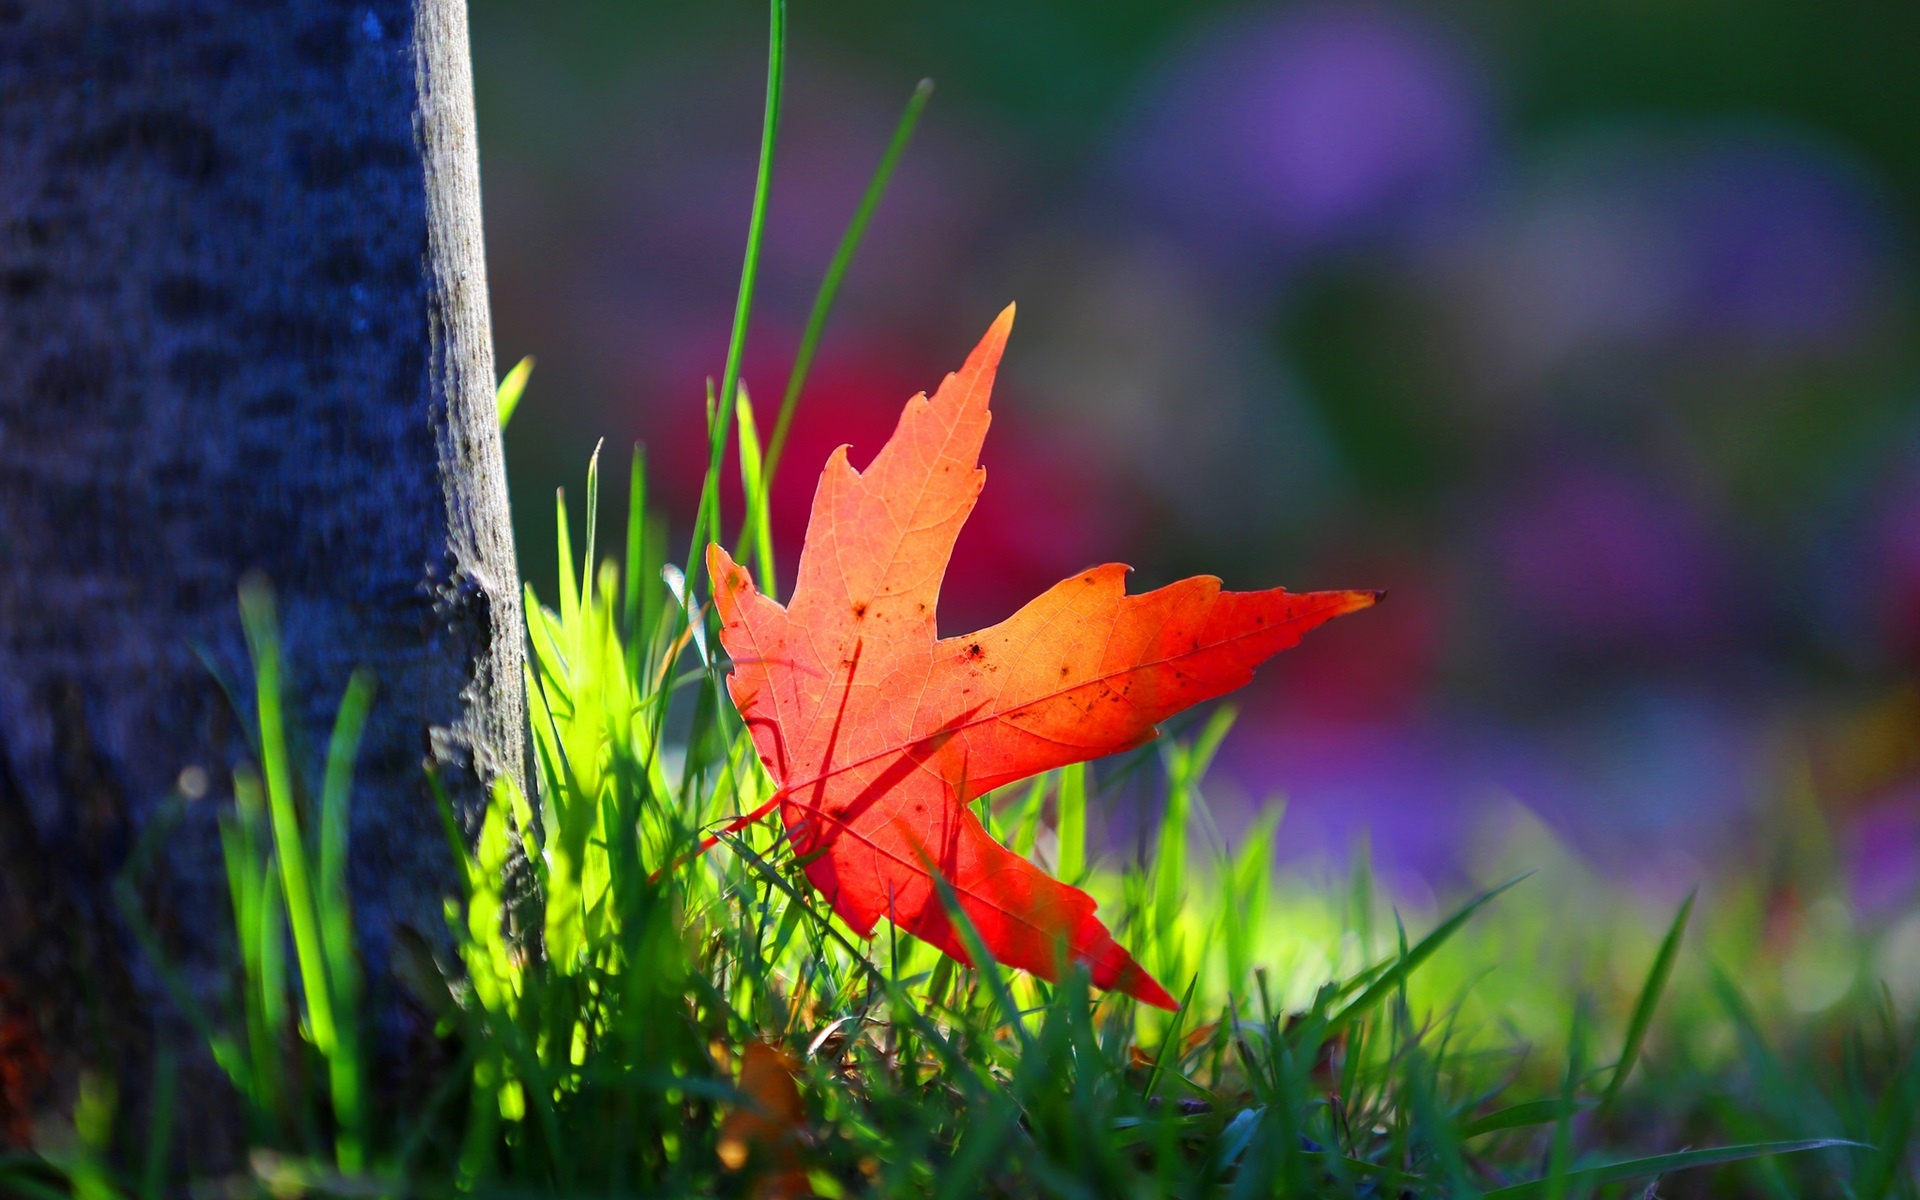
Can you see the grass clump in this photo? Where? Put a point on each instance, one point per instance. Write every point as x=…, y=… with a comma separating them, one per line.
x=625, y=1016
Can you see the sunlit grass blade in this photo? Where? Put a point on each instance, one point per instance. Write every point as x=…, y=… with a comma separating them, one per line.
x=1170, y=1043
x=1397, y=971
x=1248, y=879
x=506, y=398
x=342, y=748
x=345, y=1068
x=569, y=579
x=1649, y=1000
x=1070, y=824
x=1026, y=830
x=587, y=568
x=289, y=841
x=766, y=871
x=757, y=532
x=677, y=585
x=706, y=520
x=635, y=579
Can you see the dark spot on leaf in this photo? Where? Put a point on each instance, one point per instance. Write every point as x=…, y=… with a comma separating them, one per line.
x=859, y=609
x=974, y=651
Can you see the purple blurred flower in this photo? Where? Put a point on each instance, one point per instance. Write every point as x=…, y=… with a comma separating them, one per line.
x=1896, y=568
x=1883, y=853
x=1784, y=242
x=1654, y=768
x=1411, y=789
x=1861, y=581
x=1750, y=239
x=1593, y=562
x=1293, y=130
x=1643, y=784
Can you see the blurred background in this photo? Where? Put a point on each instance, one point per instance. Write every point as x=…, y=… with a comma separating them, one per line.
x=1586, y=328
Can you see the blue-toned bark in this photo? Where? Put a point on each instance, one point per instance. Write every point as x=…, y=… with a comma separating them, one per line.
x=243, y=325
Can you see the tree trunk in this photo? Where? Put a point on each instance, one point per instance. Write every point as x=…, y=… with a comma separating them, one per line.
x=243, y=325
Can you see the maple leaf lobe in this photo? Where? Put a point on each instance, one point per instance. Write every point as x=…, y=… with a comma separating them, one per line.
x=878, y=732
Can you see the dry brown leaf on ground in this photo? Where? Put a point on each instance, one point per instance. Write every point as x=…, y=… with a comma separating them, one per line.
x=765, y=1133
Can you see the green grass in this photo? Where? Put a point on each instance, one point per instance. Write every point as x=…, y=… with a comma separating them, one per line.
x=1326, y=1045
x=601, y=981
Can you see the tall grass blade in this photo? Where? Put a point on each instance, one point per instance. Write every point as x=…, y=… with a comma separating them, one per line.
x=1026, y=822
x=1560, y=1152
x=1389, y=980
x=569, y=581
x=1248, y=879
x=1524, y=1115
x=635, y=564
x=587, y=566
x=506, y=398
x=757, y=532
x=320, y=988
x=1170, y=1044
x=1070, y=824
x=837, y=270
x=1649, y=1000
x=153, y=1170
x=289, y=842
x=1662, y=1164
x=345, y=1068
x=706, y=518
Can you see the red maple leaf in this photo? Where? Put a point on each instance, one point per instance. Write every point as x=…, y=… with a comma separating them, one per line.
x=878, y=732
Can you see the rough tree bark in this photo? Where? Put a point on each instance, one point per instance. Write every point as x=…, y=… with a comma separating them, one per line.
x=243, y=325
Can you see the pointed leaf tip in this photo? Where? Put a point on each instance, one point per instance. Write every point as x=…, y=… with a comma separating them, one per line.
x=985, y=358
x=1146, y=989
